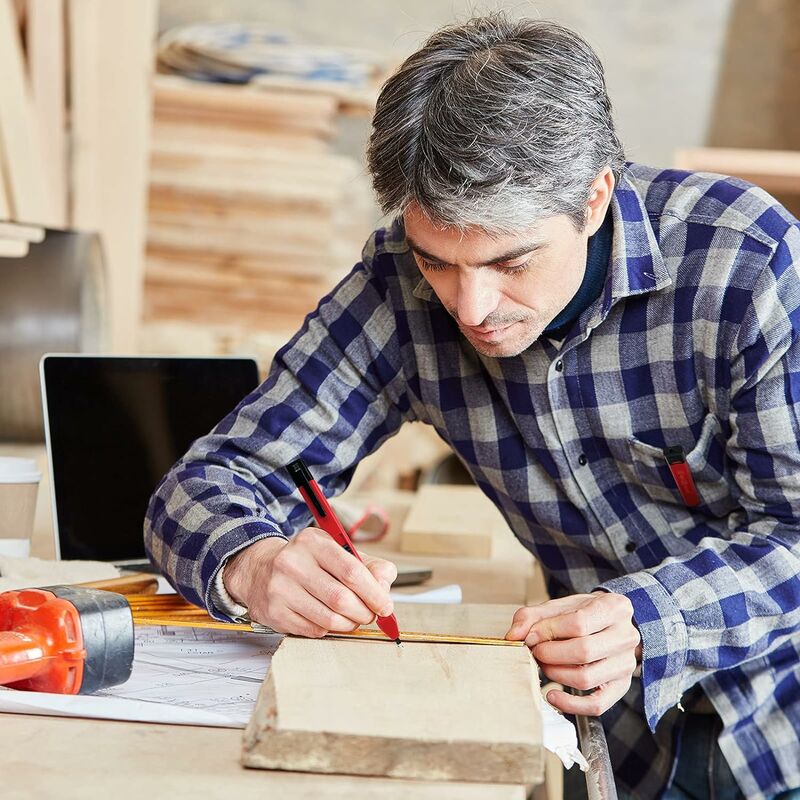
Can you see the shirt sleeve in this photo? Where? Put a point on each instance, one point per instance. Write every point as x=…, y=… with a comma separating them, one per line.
x=736, y=595
x=334, y=393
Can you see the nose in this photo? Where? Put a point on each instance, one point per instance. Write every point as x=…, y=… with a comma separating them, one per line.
x=477, y=297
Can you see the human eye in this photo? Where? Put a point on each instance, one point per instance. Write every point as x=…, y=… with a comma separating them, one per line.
x=514, y=269
x=432, y=266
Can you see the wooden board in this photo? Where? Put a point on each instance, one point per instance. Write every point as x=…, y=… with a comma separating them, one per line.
x=452, y=521
x=421, y=711
x=109, y=80
x=27, y=197
x=774, y=170
x=460, y=619
x=46, y=46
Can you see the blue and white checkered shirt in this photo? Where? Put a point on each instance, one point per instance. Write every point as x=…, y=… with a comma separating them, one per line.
x=693, y=342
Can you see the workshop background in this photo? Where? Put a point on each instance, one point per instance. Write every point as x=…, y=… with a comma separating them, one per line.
x=216, y=148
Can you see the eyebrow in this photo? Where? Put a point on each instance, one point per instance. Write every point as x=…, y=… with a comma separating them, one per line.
x=503, y=257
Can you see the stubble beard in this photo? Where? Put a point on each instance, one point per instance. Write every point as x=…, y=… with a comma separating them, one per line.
x=529, y=333
x=530, y=328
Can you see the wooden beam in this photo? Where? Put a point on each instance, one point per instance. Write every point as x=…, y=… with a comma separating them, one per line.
x=419, y=711
x=777, y=171
x=453, y=521
x=111, y=65
x=13, y=248
x=27, y=233
x=28, y=197
x=5, y=203
x=46, y=50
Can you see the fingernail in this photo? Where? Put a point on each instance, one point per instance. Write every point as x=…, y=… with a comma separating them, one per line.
x=387, y=610
x=549, y=697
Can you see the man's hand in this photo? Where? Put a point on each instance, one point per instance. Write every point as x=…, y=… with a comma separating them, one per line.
x=309, y=585
x=586, y=641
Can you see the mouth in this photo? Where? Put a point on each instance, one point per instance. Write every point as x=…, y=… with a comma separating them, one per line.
x=489, y=334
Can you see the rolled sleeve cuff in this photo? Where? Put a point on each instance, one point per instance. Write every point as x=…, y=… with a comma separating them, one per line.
x=664, y=641
x=224, y=603
x=223, y=549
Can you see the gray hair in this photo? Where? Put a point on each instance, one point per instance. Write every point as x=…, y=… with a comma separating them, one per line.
x=494, y=124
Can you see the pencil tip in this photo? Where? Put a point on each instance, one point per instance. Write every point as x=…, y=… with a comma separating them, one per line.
x=397, y=641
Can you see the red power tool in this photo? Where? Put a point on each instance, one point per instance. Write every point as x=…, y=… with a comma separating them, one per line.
x=65, y=639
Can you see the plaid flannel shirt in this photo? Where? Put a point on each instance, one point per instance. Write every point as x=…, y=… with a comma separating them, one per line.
x=693, y=342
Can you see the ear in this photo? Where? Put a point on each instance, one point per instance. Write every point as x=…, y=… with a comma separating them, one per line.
x=599, y=198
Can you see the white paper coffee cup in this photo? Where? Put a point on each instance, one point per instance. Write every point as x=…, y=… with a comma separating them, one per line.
x=19, y=484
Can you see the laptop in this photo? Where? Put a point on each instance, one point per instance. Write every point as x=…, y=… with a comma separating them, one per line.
x=114, y=426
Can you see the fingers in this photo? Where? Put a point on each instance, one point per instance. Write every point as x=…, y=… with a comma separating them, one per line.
x=590, y=705
x=618, y=638
x=338, y=599
x=581, y=622
x=324, y=616
x=288, y=621
x=528, y=616
x=590, y=676
x=385, y=572
x=355, y=576
x=588, y=615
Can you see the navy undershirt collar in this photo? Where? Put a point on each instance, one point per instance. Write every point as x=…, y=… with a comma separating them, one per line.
x=598, y=254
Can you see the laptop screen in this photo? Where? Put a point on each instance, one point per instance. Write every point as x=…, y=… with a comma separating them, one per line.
x=115, y=426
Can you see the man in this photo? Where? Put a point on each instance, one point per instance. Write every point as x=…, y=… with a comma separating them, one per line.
x=565, y=321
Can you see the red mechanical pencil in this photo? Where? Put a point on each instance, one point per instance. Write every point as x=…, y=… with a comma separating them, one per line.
x=326, y=520
x=676, y=460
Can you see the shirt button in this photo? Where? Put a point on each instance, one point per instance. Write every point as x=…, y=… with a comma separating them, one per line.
x=582, y=460
x=630, y=547
x=559, y=365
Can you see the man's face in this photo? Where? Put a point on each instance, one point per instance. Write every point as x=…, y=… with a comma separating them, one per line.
x=502, y=291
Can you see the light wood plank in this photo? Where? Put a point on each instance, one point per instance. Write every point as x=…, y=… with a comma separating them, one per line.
x=463, y=619
x=28, y=233
x=453, y=521
x=774, y=170
x=111, y=64
x=46, y=46
x=28, y=200
x=421, y=711
x=5, y=203
x=13, y=248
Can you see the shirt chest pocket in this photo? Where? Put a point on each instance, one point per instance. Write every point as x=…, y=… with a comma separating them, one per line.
x=706, y=461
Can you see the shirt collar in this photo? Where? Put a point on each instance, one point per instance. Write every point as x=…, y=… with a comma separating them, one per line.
x=637, y=265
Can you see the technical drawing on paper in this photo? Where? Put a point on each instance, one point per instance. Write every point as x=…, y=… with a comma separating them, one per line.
x=212, y=670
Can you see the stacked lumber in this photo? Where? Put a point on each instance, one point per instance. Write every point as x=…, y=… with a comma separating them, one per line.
x=240, y=52
x=252, y=216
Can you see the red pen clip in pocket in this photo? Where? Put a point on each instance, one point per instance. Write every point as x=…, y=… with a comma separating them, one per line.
x=682, y=475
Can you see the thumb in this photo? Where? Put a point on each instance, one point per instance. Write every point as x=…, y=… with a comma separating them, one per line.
x=382, y=570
